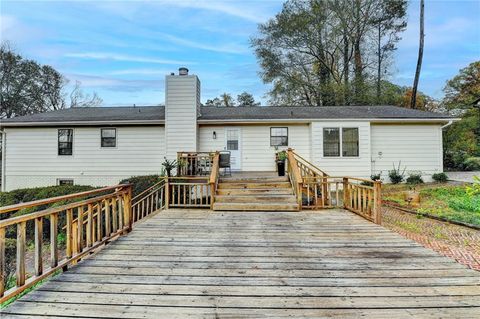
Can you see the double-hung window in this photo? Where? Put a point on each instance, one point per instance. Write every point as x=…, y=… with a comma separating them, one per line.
x=108, y=137
x=340, y=142
x=279, y=136
x=65, y=141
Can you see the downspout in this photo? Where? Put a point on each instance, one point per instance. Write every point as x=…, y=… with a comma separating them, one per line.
x=447, y=125
x=4, y=148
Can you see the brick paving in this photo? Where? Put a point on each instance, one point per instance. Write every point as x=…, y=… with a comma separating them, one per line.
x=458, y=242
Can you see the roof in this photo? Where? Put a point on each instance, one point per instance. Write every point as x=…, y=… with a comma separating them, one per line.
x=156, y=114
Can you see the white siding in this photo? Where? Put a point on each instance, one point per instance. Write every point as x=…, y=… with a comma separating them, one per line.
x=418, y=147
x=342, y=166
x=181, y=107
x=32, y=160
x=257, y=154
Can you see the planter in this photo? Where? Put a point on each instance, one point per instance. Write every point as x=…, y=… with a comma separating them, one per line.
x=281, y=168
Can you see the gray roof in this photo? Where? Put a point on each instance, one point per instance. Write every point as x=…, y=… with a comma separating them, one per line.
x=157, y=113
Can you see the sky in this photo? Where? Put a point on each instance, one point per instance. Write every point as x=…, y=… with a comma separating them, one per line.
x=123, y=49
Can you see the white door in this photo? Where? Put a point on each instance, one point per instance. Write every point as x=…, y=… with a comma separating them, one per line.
x=233, y=144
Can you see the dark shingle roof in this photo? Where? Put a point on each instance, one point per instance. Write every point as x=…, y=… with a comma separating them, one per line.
x=157, y=113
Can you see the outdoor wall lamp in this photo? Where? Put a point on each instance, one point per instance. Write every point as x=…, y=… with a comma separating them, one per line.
x=214, y=135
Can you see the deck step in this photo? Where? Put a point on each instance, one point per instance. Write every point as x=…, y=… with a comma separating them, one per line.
x=251, y=185
x=269, y=198
x=256, y=206
x=251, y=179
x=254, y=191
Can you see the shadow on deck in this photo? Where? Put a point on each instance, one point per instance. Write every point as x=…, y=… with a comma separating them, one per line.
x=213, y=264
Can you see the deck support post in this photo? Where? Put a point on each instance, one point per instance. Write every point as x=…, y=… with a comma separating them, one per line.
x=377, y=202
x=346, y=194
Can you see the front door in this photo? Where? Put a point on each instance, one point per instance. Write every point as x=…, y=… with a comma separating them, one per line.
x=233, y=144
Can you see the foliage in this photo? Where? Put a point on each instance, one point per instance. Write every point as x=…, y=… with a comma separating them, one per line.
x=169, y=165
x=376, y=177
x=440, y=177
x=282, y=156
x=463, y=89
x=226, y=100
x=474, y=190
x=320, y=52
x=141, y=183
x=27, y=87
x=471, y=164
x=414, y=179
x=397, y=175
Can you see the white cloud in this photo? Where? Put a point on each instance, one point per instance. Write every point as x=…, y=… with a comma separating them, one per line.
x=140, y=72
x=225, y=48
x=122, y=57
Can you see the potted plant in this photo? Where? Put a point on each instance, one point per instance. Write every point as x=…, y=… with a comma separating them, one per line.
x=281, y=157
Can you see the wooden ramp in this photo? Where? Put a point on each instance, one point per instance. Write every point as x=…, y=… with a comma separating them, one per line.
x=211, y=264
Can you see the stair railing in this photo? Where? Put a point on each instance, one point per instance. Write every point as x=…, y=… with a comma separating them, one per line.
x=150, y=200
x=295, y=176
x=214, y=175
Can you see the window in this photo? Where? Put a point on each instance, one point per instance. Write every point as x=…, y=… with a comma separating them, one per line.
x=331, y=142
x=349, y=141
x=64, y=181
x=109, y=137
x=279, y=136
x=65, y=141
x=232, y=140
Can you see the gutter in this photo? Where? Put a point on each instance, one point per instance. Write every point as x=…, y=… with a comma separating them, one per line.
x=82, y=123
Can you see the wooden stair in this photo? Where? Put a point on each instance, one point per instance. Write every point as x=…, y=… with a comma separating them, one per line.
x=255, y=194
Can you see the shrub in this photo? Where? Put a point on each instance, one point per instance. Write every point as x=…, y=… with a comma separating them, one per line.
x=474, y=190
x=141, y=183
x=376, y=177
x=472, y=164
x=440, y=177
x=414, y=179
x=397, y=175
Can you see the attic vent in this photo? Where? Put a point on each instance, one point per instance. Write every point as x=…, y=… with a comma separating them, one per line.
x=182, y=71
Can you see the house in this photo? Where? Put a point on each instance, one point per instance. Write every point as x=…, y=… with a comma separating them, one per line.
x=101, y=146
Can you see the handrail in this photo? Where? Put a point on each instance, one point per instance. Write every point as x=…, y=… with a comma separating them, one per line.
x=213, y=181
x=295, y=176
x=151, y=200
x=113, y=218
x=148, y=189
x=312, y=166
x=10, y=208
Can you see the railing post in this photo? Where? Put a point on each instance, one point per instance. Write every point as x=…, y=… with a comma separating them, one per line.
x=167, y=193
x=377, y=197
x=128, y=208
x=346, y=194
x=3, y=277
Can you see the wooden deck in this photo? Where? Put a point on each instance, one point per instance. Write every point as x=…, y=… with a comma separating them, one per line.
x=206, y=264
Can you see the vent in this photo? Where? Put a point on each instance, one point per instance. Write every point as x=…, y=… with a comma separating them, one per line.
x=182, y=71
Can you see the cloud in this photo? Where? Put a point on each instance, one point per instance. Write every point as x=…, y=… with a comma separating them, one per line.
x=140, y=72
x=122, y=57
x=91, y=81
x=224, y=48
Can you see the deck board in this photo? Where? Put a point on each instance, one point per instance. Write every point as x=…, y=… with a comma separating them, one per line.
x=204, y=264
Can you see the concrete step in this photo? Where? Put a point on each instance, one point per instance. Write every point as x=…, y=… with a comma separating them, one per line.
x=255, y=206
x=253, y=198
x=254, y=191
x=254, y=185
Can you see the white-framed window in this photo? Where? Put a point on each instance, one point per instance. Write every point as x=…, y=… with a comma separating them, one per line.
x=65, y=141
x=279, y=136
x=65, y=181
x=108, y=137
x=340, y=142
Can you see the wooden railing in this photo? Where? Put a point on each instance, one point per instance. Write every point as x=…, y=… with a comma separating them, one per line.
x=149, y=201
x=90, y=222
x=315, y=189
x=188, y=192
x=214, y=175
x=194, y=163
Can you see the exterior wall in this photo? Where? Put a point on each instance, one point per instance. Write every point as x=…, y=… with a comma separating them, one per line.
x=342, y=166
x=257, y=154
x=182, y=102
x=32, y=160
x=418, y=147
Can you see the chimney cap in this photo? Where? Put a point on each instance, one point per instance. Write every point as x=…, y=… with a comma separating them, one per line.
x=182, y=71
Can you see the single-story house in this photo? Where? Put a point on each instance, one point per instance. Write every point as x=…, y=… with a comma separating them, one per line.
x=102, y=145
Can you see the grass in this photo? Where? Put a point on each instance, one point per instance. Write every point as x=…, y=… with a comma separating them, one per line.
x=449, y=202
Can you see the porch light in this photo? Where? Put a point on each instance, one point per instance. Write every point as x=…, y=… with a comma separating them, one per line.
x=214, y=135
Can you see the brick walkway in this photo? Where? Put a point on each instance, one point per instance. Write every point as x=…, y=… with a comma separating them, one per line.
x=457, y=242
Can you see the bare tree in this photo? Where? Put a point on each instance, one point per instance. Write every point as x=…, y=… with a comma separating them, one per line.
x=78, y=98
x=413, y=102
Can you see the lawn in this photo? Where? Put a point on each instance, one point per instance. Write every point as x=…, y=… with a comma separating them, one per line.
x=449, y=202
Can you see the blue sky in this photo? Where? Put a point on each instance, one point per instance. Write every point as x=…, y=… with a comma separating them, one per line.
x=123, y=49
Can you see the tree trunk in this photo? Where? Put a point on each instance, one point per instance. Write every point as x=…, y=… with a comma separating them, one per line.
x=346, y=70
x=357, y=55
x=413, y=101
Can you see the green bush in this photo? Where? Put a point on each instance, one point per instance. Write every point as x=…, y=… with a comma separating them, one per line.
x=414, y=179
x=141, y=183
x=376, y=177
x=397, y=175
x=472, y=164
x=440, y=177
